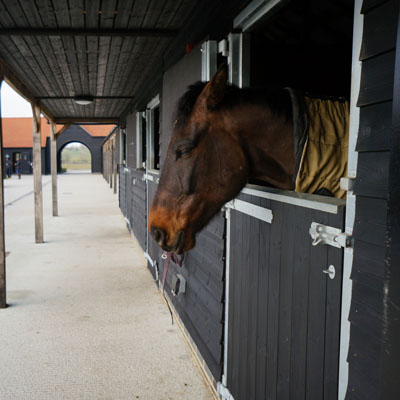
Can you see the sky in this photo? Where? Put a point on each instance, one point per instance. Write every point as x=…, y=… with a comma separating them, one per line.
x=12, y=104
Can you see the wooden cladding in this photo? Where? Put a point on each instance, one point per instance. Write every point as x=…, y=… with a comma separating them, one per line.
x=380, y=31
x=87, y=47
x=155, y=33
x=377, y=80
x=375, y=124
x=370, y=273
x=284, y=311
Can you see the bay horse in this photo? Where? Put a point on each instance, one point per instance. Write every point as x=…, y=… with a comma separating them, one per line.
x=223, y=136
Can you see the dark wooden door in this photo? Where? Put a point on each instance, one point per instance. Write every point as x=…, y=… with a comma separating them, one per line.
x=137, y=205
x=284, y=312
x=153, y=250
x=26, y=162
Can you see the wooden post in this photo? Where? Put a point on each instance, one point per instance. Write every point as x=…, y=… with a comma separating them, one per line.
x=53, y=158
x=112, y=183
x=115, y=170
x=37, y=173
x=3, y=293
x=110, y=165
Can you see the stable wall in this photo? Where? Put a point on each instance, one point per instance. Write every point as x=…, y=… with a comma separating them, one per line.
x=26, y=163
x=131, y=140
x=373, y=361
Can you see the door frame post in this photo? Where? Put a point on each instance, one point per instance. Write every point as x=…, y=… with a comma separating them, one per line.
x=53, y=160
x=37, y=173
x=3, y=292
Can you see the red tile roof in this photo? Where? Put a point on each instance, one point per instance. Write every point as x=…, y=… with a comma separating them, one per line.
x=17, y=132
x=98, y=130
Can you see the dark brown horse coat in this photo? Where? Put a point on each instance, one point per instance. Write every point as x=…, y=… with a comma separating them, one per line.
x=223, y=136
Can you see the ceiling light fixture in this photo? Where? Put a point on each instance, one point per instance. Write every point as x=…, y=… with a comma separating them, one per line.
x=83, y=100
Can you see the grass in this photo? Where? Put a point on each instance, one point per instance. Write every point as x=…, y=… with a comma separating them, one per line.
x=75, y=157
x=76, y=166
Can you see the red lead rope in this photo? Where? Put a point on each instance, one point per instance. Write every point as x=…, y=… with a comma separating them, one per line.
x=167, y=256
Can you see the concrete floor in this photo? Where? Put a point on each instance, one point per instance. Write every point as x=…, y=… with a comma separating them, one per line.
x=85, y=319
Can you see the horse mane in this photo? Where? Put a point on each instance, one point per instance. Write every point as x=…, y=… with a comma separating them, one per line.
x=186, y=102
x=276, y=98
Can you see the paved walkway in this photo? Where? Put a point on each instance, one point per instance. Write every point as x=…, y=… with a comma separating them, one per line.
x=85, y=320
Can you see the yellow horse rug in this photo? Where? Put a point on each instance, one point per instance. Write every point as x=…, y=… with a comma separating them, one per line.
x=321, y=131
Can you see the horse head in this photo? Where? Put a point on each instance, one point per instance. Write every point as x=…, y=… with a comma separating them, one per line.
x=204, y=168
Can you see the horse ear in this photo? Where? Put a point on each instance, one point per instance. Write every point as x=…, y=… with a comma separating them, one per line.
x=214, y=91
x=217, y=87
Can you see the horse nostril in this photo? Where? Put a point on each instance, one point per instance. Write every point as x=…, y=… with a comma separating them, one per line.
x=158, y=235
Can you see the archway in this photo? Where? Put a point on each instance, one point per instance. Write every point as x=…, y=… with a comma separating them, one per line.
x=76, y=133
x=74, y=157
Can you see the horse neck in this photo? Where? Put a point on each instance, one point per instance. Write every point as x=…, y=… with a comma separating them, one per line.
x=267, y=141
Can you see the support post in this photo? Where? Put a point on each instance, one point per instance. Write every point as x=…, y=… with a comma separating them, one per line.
x=37, y=173
x=3, y=293
x=115, y=170
x=110, y=177
x=112, y=167
x=53, y=158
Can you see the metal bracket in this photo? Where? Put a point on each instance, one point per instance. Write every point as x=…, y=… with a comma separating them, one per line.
x=224, y=392
x=331, y=236
x=148, y=177
x=153, y=263
x=178, y=285
x=331, y=271
x=261, y=213
x=347, y=184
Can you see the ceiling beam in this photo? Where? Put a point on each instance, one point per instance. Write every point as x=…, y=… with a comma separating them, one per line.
x=83, y=120
x=21, y=88
x=94, y=97
x=61, y=131
x=148, y=33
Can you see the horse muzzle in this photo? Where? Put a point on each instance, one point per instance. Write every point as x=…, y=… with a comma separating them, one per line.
x=160, y=236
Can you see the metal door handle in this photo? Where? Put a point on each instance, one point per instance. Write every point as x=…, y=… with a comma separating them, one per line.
x=330, y=271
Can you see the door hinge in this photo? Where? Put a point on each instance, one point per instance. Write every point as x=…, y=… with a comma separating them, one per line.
x=223, y=48
x=224, y=392
x=153, y=263
x=148, y=177
x=331, y=236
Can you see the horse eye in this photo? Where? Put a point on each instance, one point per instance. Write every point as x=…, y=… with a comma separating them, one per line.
x=183, y=152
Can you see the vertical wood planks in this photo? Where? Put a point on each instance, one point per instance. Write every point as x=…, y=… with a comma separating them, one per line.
x=285, y=305
x=3, y=293
x=284, y=311
x=300, y=291
x=272, y=300
x=53, y=161
x=332, y=337
x=244, y=251
x=254, y=286
x=37, y=173
x=316, y=321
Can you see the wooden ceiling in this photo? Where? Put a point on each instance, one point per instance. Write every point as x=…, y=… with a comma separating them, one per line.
x=54, y=50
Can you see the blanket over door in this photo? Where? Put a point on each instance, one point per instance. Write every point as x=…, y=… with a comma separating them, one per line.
x=324, y=158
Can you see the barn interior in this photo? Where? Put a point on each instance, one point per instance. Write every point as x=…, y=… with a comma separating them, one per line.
x=306, y=45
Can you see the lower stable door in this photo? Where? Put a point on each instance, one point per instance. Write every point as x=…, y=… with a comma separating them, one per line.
x=153, y=250
x=284, y=306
